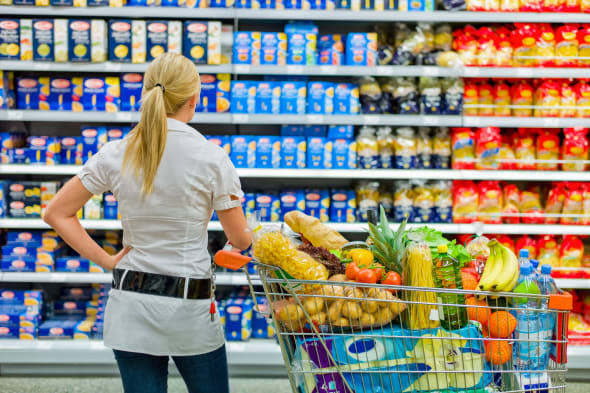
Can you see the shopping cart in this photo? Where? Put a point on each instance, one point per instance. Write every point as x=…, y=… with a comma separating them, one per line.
x=350, y=352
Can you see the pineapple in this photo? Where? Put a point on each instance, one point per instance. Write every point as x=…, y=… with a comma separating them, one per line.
x=387, y=246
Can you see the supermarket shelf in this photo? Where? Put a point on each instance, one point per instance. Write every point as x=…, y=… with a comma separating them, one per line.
x=32, y=223
x=542, y=122
x=7, y=65
x=573, y=283
x=323, y=15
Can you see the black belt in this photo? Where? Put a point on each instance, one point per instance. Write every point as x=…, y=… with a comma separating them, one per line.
x=161, y=284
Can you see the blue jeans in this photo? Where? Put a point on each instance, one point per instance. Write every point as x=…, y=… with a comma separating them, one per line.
x=141, y=373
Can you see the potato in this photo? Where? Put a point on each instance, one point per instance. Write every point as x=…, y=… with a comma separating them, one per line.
x=331, y=291
x=319, y=318
x=381, y=294
x=342, y=322
x=291, y=312
x=293, y=326
x=353, y=292
x=334, y=311
x=313, y=305
x=383, y=316
x=367, y=320
x=369, y=306
x=352, y=311
x=397, y=307
x=338, y=278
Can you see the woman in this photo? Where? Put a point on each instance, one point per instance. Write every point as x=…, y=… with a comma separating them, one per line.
x=167, y=179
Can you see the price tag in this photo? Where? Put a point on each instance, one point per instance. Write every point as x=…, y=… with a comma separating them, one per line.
x=328, y=69
x=123, y=116
x=371, y=120
x=41, y=66
x=471, y=72
x=551, y=123
x=112, y=67
x=431, y=120
x=295, y=69
x=240, y=119
x=434, y=314
x=430, y=71
x=524, y=72
x=242, y=69
x=315, y=119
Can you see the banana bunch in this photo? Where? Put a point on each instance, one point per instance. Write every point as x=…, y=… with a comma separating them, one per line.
x=501, y=271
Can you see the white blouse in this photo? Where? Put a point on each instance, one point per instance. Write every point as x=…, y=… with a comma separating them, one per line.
x=167, y=231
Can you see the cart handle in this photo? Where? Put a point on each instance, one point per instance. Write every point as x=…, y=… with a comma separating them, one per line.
x=562, y=301
x=231, y=260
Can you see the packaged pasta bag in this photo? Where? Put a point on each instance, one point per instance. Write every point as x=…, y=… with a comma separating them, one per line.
x=465, y=44
x=504, y=50
x=531, y=5
x=486, y=46
x=574, y=148
x=566, y=45
x=491, y=5
x=586, y=204
x=584, y=46
x=474, y=5
x=547, y=149
x=546, y=44
x=568, y=100
x=553, y=5
x=470, y=97
x=487, y=147
x=502, y=99
x=441, y=157
x=527, y=243
x=584, y=5
x=443, y=201
x=424, y=148
x=403, y=202
x=573, y=204
x=423, y=202
x=524, y=149
x=548, y=99
x=524, y=43
x=367, y=197
x=443, y=37
x=490, y=202
x=507, y=157
x=582, y=89
x=530, y=206
x=509, y=5
x=465, y=201
x=571, y=251
x=511, y=207
x=554, y=205
x=548, y=250
x=486, y=99
x=571, y=6
x=463, y=148
x=586, y=256
x=522, y=99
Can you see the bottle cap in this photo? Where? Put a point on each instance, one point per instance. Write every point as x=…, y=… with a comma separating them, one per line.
x=523, y=253
x=526, y=269
x=535, y=263
x=442, y=248
x=546, y=269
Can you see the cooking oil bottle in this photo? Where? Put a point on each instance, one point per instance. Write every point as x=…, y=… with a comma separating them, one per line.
x=447, y=275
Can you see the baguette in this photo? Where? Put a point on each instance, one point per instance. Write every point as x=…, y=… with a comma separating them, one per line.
x=318, y=234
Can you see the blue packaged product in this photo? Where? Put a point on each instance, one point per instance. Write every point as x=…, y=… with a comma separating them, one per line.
x=97, y=330
x=195, y=41
x=62, y=3
x=58, y=328
x=19, y=297
x=222, y=141
x=453, y=99
x=293, y=152
x=268, y=152
x=431, y=100
x=10, y=39
x=246, y=47
x=75, y=293
x=115, y=133
x=69, y=307
x=346, y=99
x=156, y=38
x=292, y=130
x=315, y=130
x=320, y=98
x=110, y=207
x=89, y=142
x=24, y=209
x=268, y=96
x=120, y=40
x=301, y=48
x=83, y=329
x=269, y=207
x=262, y=326
x=319, y=153
x=317, y=204
x=292, y=200
x=23, y=237
x=208, y=98
x=17, y=250
x=60, y=94
x=248, y=4
x=18, y=264
x=3, y=201
x=330, y=50
x=94, y=94
x=238, y=319
x=37, y=150
x=243, y=96
x=343, y=206
x=27, y=93
x=249, y=204
x=131, y=86
x=342, y=131
x=361, y=49
x=70, y=155
x=273, y=49
x=293, y=97
x=79, y=41
x=24, y=191
x=243, y=151
x=43, y=40
x=343, y=154
x=19, y=315
x=72, y=265
x=9, y=332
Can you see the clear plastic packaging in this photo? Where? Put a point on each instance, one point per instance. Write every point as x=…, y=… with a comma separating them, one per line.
x=405, y=148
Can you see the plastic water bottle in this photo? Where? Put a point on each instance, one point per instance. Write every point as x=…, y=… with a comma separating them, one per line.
x=536, y=274
x=523, y=257
x=547, y=286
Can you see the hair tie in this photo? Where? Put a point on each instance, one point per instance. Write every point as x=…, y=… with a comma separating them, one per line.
x=161, y=87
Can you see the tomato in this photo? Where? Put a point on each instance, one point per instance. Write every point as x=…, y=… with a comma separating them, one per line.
x=392, y=278
x=366, y=276
x=378, y=269
x=352, y=270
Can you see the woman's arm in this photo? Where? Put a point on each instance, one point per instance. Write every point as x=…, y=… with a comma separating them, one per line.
x=235, y=227
x=61, y=215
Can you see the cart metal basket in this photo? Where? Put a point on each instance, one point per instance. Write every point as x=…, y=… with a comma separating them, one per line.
x=330, y=345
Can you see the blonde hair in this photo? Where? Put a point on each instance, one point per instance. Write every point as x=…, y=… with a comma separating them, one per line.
x=169, y=82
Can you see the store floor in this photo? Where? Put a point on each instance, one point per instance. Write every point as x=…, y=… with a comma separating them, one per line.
x=175, y=385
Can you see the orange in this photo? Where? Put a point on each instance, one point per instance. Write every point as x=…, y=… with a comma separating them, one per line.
x=469, y=282
x=498, y=352
x=479, y=314
x=501, y=324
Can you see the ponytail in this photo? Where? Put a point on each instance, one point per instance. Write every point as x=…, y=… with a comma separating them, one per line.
x=169, y=82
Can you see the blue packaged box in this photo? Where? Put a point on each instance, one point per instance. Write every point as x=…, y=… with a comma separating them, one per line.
x=19, y=156
x=115, y=133
x=269, y=207
x=18, y=264
x=330, y=50
x=17, y=250
x=110, y=207
x=9, y=332
x=79, y=40
x=120, y=40
x=58, y=328
x=249, y=204
x=243, y=96
x=293, y=97
x=317, y=204
x=10, y=39
x=70, y=153
x=72, y=265
x=195, y=41
x=208, y=101
x=43, y=40
x=27, y=93
x=19, y=315
x=342, y=131
x=343, y=206
x=292, y=130
x=292, y=200
x=243, y=151
x=60, y=94
x=24, y=191
x=101, y=94
x=273, y=49
x=3, y=201
x=32, y=297
x=238, y=319
x=268, y=152
x=301, y=48
x=223, y=141
x=24, y=209
x=315, y=130
x=319, y=153
x=293, y=152
x=75, y=293
x=361, y=49
x=246, y=47
x=156, y=38
x=343, y=154
x=346, y=99
x=37, y=152
x=262, y=326
x=131, y=85
x=320, y=98
x=69, y=307
x=268, y=97
x=89, y=142
x=23, y=237
x=83, y=329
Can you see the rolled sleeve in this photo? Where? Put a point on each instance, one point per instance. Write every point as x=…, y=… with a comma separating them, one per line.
x=226, y=184
x=94, y=175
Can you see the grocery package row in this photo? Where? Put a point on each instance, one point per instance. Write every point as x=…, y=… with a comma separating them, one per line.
x=24, y=251
x=419, y=257
x=579, y=322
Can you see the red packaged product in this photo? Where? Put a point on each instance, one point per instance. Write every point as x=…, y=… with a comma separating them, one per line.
x=465, y=44
x=506, y=241
x=547, y=149
x=524, y=44
x=507, y=157
x=531, y=5
x=571, y=6
x=586, y=204
x=584, y=46
x=490, y=202
x=487, y=147
x=528, y=243
x=548, y=99
x=568, y=100
x=554, y=204
x=573, y=204
x=530, y=206
x=566, y=45
x=470, y=98
x=546, y=44
x=548, y=250
x=511, y=204
x=522, y=96
x=501, y=95
x=465, y=201
x=463, y=148
x=524, y=149
x=585, y=5
x=553, y=5
x=582, y=89
x=571, y=252
x=486, y=100
x=575, y=148
x=486, y=47
x=504, y=49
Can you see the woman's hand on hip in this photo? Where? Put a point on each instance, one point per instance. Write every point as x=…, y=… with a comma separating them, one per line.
x=113, y=260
